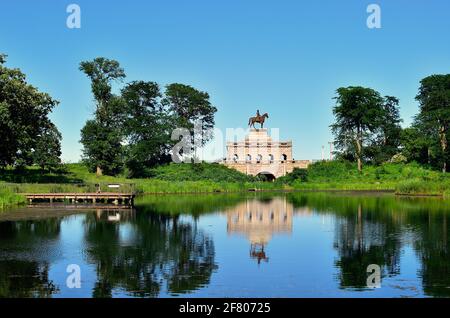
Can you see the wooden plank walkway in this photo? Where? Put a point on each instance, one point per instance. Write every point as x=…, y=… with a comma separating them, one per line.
x=94, y=197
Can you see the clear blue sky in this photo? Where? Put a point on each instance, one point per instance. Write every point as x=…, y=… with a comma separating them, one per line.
x=284, y=57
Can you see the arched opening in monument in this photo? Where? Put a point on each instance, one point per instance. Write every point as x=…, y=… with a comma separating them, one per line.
x=271, y=158
x=283, y=157
x=266, y=176
x=248, y=158
x=235, y=158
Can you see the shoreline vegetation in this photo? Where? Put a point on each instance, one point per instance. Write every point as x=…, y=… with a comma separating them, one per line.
x=402, y=179
x=128, y=140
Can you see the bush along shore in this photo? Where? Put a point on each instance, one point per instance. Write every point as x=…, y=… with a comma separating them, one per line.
x=403, y=179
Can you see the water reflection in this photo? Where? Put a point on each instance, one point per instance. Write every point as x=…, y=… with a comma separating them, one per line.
x=145, y=252
x=376, y=229
x=26, y=250
x=167, y=246
x=258, y=220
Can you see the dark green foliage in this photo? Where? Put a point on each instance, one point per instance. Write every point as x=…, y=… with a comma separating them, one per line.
x=102, y=72
x=384, y=143
x=359, y=113
x=23, y=116
x=102, y=147
x=133, y=130
x=101, y=137
x=47, y=152
x=434, y=115
x=417, y=145
x=296, y=174
x=191, y=107
x=197, y=172
x=147, y=126
x=367, y=126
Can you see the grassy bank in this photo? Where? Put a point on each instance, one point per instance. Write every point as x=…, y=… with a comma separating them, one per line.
x=406, y=179
x=182, y=178
x=9, y=198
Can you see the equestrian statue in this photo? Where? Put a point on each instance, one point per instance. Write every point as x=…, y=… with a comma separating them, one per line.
x=257, y=119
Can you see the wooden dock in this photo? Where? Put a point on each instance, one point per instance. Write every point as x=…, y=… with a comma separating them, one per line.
x=94, y=197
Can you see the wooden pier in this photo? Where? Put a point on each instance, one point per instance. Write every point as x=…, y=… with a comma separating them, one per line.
x=95, y=197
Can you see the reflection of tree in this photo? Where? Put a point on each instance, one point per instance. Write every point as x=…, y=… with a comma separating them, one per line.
x=367, y=232
x=371, y=230
x=27, y=274
x=156, y=249
x=25, y=279
x=193, y=205
x=363, y=239
x=432, y=246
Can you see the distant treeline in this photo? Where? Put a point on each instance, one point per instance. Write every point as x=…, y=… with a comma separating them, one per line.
x=367, y=126
x=130, y=131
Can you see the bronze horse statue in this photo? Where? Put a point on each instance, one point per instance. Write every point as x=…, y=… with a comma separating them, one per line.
x=257, y=119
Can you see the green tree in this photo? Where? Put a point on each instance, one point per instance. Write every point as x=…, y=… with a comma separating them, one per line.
x=47, y=152
x=23, y=114
x=147, y=126
x=102, y=147
x=434, y=100
x=191, y=107
x=385, y=141
x=359, y=113
x=103, y=154
x=420, y=143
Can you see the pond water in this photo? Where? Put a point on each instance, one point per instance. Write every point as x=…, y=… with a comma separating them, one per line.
x=235, y=245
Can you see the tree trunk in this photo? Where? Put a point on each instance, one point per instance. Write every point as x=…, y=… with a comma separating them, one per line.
x=99, y=171
x=358, y=150
x=442, y=134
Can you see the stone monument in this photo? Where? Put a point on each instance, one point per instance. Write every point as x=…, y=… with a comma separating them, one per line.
x=259, y=154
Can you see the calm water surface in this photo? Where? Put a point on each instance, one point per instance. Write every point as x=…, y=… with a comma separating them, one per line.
x=247, y=245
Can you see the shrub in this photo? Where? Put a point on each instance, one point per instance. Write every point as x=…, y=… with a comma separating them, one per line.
x=398, y=158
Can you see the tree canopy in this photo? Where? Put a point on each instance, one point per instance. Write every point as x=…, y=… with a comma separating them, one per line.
x=24, y=120
x=133, y=129
x=359, y=111
x=434, y=103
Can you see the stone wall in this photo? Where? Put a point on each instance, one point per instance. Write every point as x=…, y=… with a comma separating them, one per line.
x=278, y=169
x=259, y=154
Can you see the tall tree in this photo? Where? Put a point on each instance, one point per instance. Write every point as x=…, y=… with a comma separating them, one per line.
x=103, y=154
x=147, y=125
x=420, y=143
x=24, y=113
x=385, y=141
x=434, y=100
x=102, y=148
x=192, y=107
x=359, y=112
x=47, y=152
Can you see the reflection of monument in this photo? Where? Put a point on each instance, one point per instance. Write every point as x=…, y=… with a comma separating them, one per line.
x=259, y=220
x=258, y=154
x=115, y=215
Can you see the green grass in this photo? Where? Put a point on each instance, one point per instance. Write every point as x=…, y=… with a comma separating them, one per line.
x=9, y=198
x=408, y=179
x=173, y=178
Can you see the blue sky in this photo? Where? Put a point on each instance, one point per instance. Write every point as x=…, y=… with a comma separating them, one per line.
x=286, y=58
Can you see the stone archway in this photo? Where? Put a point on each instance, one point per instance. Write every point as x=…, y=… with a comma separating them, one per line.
x=269, y=176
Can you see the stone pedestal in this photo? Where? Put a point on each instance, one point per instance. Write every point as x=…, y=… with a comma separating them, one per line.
x=258, y=153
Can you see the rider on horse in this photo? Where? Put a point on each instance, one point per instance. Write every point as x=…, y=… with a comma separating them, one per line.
x=257, y=119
